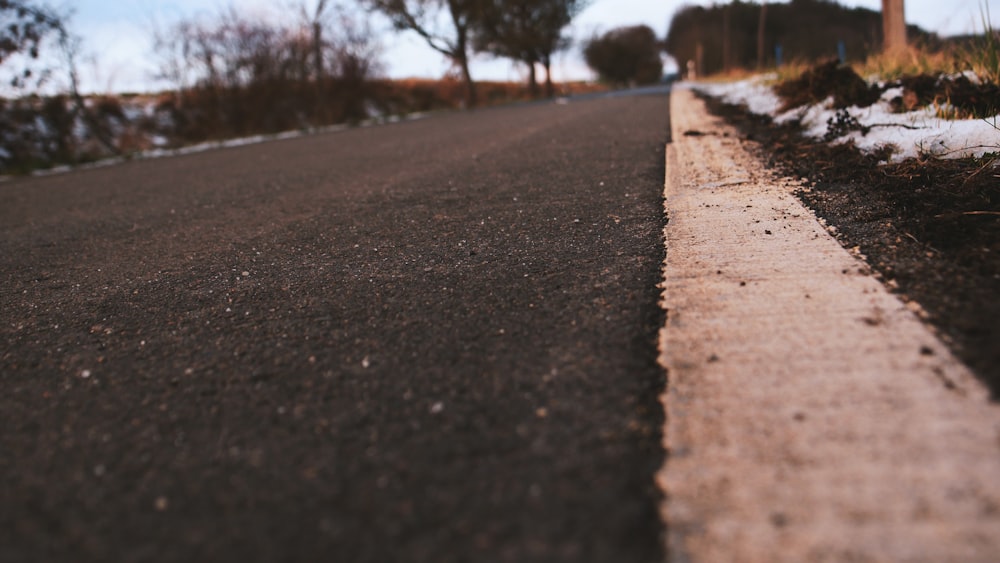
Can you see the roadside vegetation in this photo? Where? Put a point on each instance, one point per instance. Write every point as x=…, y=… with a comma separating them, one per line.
x=626, y=56
x=929, y=225
x=232, y=75
x=812, y=51
x=319, y=64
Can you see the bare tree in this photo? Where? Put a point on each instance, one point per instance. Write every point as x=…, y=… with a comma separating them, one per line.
x=70, y=46
x=24, y=26
x=51, y=128
x=529, y=31
x=353, y=59
x=314, y=18
x=422, y=17
x=242, y=75
x=761, y=26
x=554, y=19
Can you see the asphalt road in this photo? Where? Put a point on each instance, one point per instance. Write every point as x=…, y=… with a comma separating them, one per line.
x=429, y=341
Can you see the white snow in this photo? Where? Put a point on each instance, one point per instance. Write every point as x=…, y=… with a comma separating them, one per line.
x=915, y=134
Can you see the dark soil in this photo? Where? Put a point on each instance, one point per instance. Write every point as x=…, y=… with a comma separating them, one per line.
x=825, y=80
x=930, y=228
x=967, y=97
x=842, y=83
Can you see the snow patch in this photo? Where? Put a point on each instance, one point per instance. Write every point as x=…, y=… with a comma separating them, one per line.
x=919, y=133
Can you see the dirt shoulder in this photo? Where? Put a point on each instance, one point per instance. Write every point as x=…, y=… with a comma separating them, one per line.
x=930, y=229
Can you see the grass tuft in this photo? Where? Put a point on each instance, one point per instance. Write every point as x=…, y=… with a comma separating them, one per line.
x=915, y=60
x=983, y=56
x=980, y=55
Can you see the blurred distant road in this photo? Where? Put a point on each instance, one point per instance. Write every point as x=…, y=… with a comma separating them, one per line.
x=429, y=341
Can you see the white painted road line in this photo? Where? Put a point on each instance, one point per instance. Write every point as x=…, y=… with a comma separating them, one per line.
x=811, y=416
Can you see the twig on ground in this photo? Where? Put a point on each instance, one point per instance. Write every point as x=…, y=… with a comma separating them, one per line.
x=903, y=125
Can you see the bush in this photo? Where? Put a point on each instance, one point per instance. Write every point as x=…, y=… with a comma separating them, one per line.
x=626, y=55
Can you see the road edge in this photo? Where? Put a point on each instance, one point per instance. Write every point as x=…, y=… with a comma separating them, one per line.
x=810, y=414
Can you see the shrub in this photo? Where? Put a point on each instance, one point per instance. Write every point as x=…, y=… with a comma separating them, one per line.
x=626, y=55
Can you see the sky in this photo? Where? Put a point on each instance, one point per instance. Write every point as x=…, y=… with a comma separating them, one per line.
x=117, y=51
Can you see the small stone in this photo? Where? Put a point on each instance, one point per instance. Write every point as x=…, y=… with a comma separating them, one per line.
x=917, y=309
x=161, y=504
x=437, y=408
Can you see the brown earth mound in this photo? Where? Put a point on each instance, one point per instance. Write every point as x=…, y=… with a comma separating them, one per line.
x=970, y=99
x=826, y=80
x=847, y=88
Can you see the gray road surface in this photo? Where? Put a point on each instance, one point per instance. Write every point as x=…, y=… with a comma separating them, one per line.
x=431, y=341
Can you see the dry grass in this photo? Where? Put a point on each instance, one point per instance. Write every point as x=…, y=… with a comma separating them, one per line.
x=731, y=75
x=984, y=55
x=792, y=70
x=915, y=60
x=980, y=56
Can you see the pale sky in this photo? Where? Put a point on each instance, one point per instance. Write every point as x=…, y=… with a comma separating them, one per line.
x=118, y=44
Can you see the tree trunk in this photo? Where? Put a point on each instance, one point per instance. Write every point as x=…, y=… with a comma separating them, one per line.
x=70, y=47
x=893, y=26
x=471, y=97
x=318, y=49
x=699, y=59
x=760, y=35
x=726, y=39
x=532, y=80
x=550, y=90
x=318, y=60
x=460, y=52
